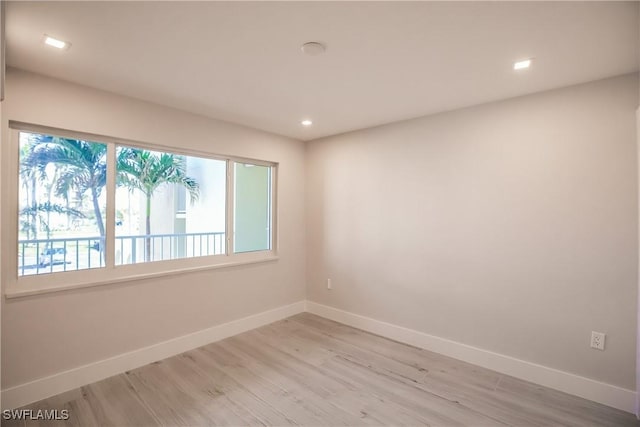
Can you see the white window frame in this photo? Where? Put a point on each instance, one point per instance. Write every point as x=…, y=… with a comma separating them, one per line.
x=20, y=286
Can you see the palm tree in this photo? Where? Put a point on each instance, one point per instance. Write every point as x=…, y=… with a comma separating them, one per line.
x=82, y=163
x=47, y=208
x=30, y=174
x=146, y=171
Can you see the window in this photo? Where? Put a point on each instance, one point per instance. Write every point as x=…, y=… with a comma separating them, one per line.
x=168, y=206
x=61, y=204
x=252, y=207
x=116, y=210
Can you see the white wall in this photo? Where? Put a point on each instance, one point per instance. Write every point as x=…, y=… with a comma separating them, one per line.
x=46, y=334
x=510, y=226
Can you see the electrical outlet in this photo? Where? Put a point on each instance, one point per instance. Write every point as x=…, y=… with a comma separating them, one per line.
x=597, y=340
x=328, y=283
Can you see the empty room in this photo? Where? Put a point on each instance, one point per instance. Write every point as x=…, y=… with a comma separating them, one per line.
x=319, y=213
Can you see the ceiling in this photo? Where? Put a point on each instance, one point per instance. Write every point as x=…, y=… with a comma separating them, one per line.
x=385, y=61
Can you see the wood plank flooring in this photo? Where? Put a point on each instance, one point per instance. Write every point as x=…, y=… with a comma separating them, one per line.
x=306, y=370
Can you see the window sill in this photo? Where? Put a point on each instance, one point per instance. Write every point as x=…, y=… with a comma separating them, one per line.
x=21, y=292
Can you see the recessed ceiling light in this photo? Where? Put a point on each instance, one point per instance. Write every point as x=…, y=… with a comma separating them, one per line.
x=313, y=48
x=521, y=65
x=306, y=122
x=59, y=44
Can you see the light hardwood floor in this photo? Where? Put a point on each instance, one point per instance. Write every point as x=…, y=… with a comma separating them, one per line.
x=307, y=370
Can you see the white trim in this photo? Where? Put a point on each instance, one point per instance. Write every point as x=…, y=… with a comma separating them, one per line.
x=15, y=291
x=106, y=139
x=230, y=221
x=607, y=394
x=43, y=388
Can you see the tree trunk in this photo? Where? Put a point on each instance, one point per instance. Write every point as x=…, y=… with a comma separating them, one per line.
x=27, y=202
x=96, y=209
x=148, y=230
x=34, y=205
x=49, y=194
x=67, y=205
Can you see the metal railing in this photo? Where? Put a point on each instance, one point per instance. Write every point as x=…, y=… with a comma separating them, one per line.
x=134, y=249
x=79, y=253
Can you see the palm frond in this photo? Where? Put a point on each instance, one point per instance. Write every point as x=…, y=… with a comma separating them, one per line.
x=146, y=171
x=51, y=208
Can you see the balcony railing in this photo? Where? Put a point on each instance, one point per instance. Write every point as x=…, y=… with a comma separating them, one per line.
x=70, y=254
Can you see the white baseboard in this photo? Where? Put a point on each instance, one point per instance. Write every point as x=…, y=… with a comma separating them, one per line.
x=607, y=394
x=43, y=388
